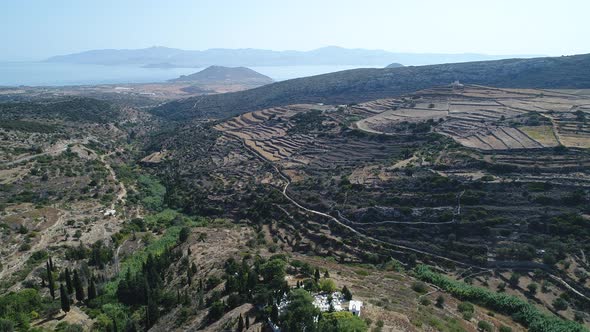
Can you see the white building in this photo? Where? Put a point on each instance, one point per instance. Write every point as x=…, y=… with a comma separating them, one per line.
x=355, y=307
x=109, y=212
x=322, y=301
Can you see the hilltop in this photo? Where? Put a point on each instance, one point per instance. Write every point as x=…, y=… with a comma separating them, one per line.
x=359, y=85
x=225, y=75
x=394, y=65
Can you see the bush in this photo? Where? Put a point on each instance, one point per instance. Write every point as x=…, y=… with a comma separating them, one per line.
x=466, y=307
x=440, y=301
x=425, y=301
x=6, y=325
x=184, y=234
x=485, y=326
x=216, y=311
x=559, y=304
x=522, y=311
x=327, y=285
x=420, y=287
x=505, y=329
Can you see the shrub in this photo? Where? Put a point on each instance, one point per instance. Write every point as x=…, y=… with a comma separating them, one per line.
x=485, y=326
x=522, y=311
x=466, y=307
x=420, y=287
x=440, y=301
x=425, y=301
x=559, y=304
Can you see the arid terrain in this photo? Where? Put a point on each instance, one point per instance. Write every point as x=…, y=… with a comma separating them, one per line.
x=457, y=207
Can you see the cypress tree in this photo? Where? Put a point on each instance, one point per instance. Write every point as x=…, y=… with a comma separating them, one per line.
x=65, y=298
x=274, y=314
x=247, y=322
x=240, y=324
x=346, y=293
x=189, y=275
x=317, y=275
x=91, y=289
x=78, y=286
x=50, y=283
x=69, y=282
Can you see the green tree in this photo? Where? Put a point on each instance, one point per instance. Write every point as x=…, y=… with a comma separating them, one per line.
x=6, y=325
x=50, y=281
x=274, y=314
x=273, y=273
x=327, y=285
x=532, y=287
x=184, y=234
x=559, y=304
x=317, y=275
x=485, y=326
x=440, y=301
x=247, y=322
x=346, y=293
x=301, y=313
x=91, y=289
x=78, y=287
x=514, y=278
x=65, y=298
x=69, y=282
x=240, y=324
x=342, y=321
x=216, y=311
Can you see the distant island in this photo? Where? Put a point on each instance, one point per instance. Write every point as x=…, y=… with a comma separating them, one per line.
x=225, y=75
x=394, y=65
x=164, y=57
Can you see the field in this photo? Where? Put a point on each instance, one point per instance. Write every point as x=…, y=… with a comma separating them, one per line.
x=491, y=119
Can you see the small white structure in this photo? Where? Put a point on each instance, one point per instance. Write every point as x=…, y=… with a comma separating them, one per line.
x=109, y=212
x=322, y=301
x=457, y=85
x=355, y=307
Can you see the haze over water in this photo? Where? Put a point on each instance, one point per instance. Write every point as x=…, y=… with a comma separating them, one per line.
x=56, y=74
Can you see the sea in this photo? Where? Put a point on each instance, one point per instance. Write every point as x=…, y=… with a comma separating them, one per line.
x=63, y=74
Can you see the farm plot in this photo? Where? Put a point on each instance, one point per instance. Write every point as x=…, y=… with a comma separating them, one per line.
x=265, y=131
x=494, y=119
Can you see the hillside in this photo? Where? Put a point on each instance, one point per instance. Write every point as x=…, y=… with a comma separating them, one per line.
x=200, y=223
x=358, y=85
x=170, y=57
x=225, y=75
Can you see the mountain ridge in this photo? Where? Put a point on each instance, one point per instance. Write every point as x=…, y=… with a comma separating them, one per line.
x=358, y=85
x=331, y=55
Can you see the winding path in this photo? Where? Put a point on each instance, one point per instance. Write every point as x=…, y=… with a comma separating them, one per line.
x=369, y=238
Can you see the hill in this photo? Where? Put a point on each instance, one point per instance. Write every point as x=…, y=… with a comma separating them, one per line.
x=394, y=65
x=171, y=57
x=358, y=85
x=224, y=75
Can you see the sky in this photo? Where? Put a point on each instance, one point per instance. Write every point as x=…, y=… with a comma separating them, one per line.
x=37, y=29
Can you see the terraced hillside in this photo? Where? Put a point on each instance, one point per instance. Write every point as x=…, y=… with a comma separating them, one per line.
x=361, y=85
x=491, y=119
x=469, y=176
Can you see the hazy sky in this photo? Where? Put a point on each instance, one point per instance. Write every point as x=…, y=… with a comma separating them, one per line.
x=35, y=29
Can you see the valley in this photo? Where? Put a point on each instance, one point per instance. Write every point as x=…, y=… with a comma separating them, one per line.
x=439, y=206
